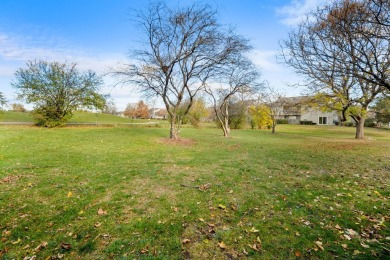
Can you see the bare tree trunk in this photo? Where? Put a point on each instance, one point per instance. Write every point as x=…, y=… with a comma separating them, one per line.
x=174, y=133
x=360, y=128
x=226, y=128
x=174, y=130
x=273, y=127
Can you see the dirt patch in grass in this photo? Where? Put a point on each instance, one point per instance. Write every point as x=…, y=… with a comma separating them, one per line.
x=10, y=179
x=180, y=141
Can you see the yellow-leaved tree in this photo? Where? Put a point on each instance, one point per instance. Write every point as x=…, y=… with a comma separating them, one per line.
x=261, y=116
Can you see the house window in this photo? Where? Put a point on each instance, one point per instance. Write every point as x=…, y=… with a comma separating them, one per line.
x=323, y=120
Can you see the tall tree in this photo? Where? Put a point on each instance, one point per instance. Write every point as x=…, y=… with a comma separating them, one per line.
x=57, y=90
x=239, y=76
x=328, y=50
x=183, y=48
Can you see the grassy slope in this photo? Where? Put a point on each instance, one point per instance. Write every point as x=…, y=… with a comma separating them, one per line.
x=78, y=117
x=11, y=116
x=271, y=196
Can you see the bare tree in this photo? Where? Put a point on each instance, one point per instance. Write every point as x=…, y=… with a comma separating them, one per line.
x=183, y=48
x=240, y=76
x=349, y=68
x=275, y=101
x=110, y=107
x=130, y=111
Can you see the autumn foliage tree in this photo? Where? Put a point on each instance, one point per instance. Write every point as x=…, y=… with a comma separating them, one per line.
x=261, y=116
x=139, y=110
x=17, y=107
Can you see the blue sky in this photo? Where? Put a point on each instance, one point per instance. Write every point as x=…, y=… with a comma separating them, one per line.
x=98, y=34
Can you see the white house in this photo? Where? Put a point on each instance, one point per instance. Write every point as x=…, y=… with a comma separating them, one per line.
x=297, y=109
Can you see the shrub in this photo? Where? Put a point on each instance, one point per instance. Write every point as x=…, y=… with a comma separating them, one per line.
x=281, y=121
x=307, y=122
x=237, y=121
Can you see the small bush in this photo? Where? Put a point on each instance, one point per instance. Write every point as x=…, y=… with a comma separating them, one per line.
x=237, y=121
x=306, y=122
x=282, y=121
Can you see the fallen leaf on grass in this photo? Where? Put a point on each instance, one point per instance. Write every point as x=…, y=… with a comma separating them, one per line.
x=319, y=245
x=40, y=247
x=16, y=242
x=205, y=186
x=253, y=230
x=97, y=224
x=185, y=241
x=101, y=211
x=347, y=237
x=222, y=206
x=70, y=194
x=345, y=246
x=65, y=246
x=352, y=233
x=254, y=247
x=222, y=245
x=364, y=245
x=297, y=254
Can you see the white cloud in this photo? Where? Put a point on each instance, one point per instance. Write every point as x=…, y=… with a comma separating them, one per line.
x=276, y=74
x=265, y=60
x=297, y=10
x=16, y=50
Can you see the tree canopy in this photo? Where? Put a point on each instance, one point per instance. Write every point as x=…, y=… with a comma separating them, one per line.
x=57, y=90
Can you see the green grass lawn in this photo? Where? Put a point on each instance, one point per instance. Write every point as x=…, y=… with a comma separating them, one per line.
x=124, y=193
